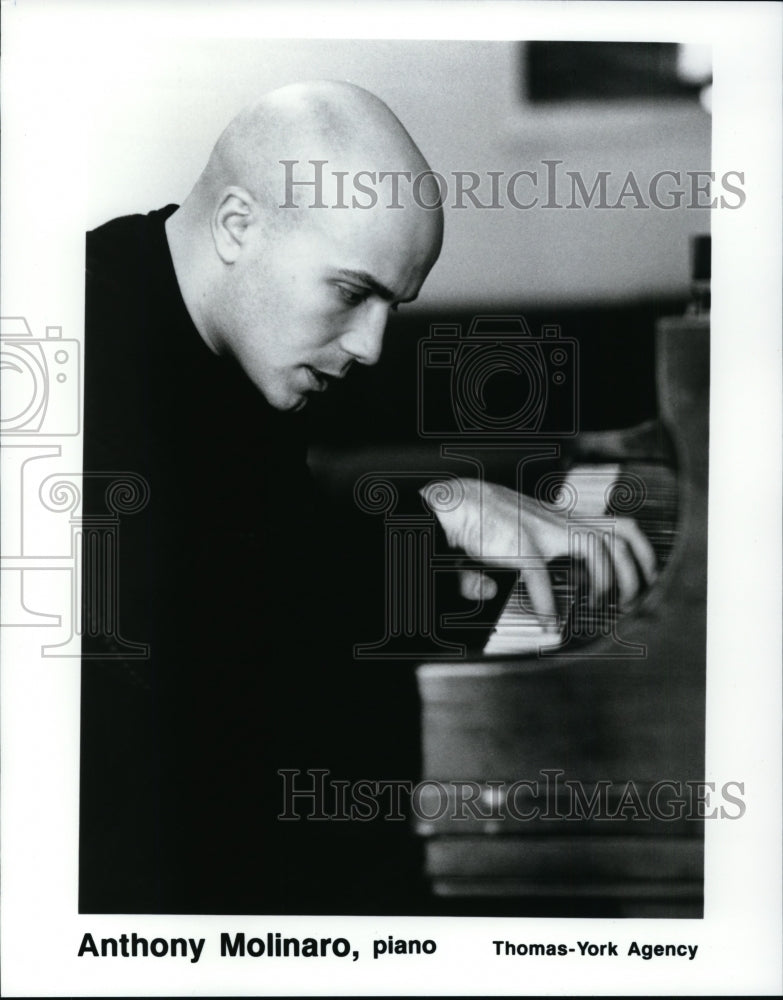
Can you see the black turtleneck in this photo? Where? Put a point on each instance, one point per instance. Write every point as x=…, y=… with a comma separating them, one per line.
x=224, y=574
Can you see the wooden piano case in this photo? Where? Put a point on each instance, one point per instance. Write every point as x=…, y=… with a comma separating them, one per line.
x=570, y=776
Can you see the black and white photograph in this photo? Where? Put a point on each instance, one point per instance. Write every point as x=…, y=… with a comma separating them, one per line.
x=391, y=519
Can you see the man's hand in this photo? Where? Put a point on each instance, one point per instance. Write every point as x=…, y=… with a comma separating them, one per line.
x=500, y=527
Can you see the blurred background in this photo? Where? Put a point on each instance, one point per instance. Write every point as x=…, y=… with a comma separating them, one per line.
x=602, y=275
x=470, y=105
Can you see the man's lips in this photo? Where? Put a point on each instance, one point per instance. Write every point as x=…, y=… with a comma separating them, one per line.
x=321, y=380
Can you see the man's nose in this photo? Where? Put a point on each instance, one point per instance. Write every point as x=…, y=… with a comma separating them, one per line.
x=365, y=339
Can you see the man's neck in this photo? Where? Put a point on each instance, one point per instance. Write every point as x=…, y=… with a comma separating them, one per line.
x=183, y=247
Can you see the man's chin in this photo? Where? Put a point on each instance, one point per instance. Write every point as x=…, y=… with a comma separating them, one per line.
x=289, y=401
x=284, y=394
x=293, y=402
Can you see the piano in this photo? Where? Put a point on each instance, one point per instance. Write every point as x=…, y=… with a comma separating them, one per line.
x=561, y=773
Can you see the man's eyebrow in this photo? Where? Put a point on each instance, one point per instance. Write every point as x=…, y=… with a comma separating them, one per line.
x=372, y=283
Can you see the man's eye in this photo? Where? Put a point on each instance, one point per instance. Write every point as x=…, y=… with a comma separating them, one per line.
x=353, y=296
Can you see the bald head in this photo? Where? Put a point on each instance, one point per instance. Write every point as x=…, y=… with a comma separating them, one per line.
x=339, y=123
x=289, y=229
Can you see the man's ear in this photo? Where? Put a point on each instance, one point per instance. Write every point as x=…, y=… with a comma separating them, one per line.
x=234, y=213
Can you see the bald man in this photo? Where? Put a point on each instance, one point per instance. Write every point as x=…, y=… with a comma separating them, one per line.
x=209, y=326
x=298, y=295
